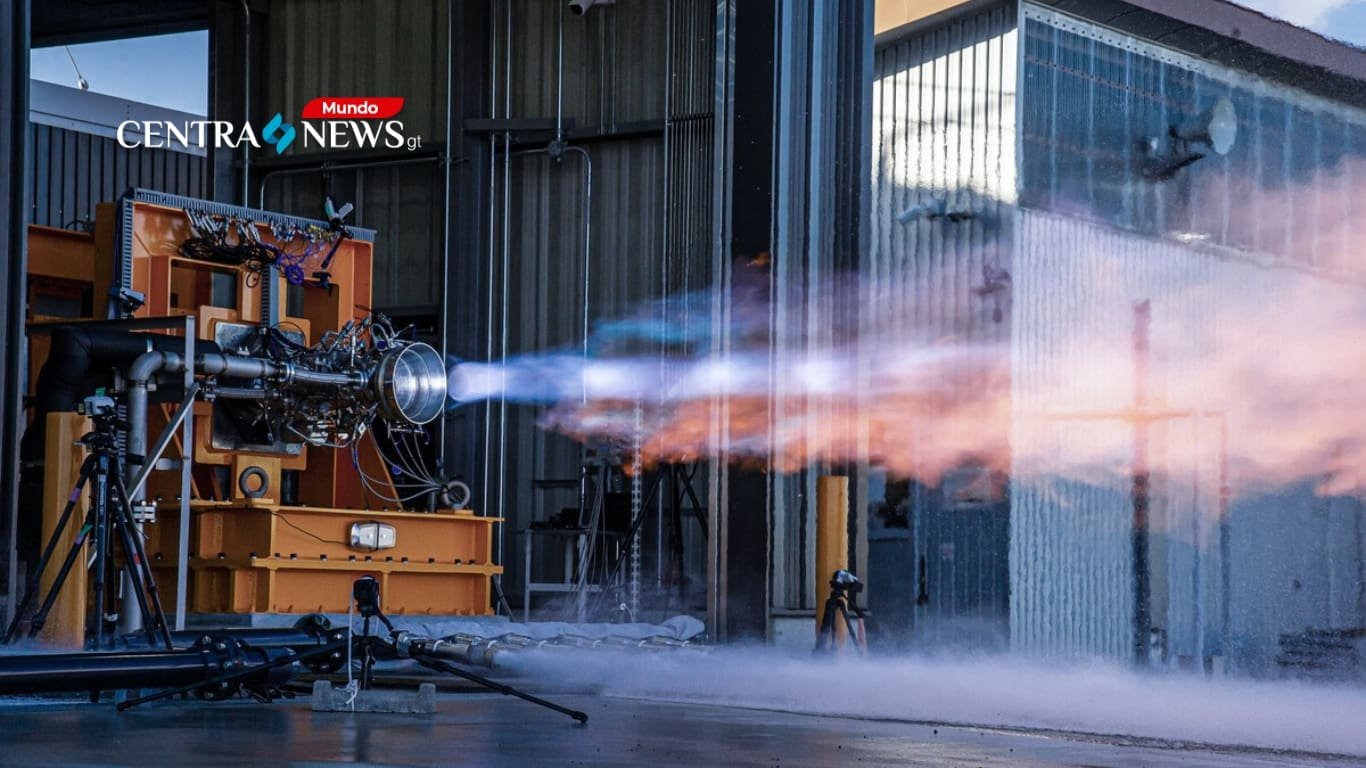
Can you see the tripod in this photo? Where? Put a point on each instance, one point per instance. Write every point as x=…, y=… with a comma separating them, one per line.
x=844, y=589
x=109, y=520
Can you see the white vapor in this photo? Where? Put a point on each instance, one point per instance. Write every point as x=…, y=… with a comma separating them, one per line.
x=1086, y=697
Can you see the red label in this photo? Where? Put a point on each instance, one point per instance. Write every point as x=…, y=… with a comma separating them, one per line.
x=353, y=108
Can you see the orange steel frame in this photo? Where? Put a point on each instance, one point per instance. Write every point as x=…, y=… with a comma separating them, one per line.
x=252, y=555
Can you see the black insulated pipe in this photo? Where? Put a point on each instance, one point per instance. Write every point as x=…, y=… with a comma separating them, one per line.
x=58, y=672
x=76, y=356
x=311, y=630
x=79, y=361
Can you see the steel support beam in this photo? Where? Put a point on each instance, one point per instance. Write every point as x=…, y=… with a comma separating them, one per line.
x=739, y=542
x=14, y=185
x=793, y=114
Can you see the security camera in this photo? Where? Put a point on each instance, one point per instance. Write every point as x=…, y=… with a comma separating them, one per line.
x=580, y=7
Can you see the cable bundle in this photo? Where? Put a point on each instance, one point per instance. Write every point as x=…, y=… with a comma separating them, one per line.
x=237, y=242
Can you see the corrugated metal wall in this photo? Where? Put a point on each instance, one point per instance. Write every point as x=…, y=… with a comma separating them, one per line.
x=401, y=202
x=943, y=136
x=73, y=172
x=1249, y=228
x=1093, y=240
x=367, y=48
x=555, y=260
x=627, y=67
x=1223, y=584
x=360, y=48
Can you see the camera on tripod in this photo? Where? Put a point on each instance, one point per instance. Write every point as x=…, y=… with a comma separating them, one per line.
x=836, y=617
x=99, y=407
x=844, y=581
x=111, y=522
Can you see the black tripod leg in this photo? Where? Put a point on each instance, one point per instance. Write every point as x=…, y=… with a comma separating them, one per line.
x=40, y=618
x=367, y=657
x=853, y=630
x=148, y=579
x=100, y=509
x=86, y=467
x=506, y=690
x=132, y=566
x=825, y=639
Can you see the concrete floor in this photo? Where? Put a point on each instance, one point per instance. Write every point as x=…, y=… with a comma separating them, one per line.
x=484, y=729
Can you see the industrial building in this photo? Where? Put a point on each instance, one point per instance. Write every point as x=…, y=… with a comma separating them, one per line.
x=1034, y=319
x=1033, y=120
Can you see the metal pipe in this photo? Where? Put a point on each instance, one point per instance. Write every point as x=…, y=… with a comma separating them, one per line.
x=149, y=364
x=507, y=258
x=182, y=564
x=493, y=170
x=164, y=440
x=327, y=167
x=446, y=227
x=231, y=365
x=293, y=375
x=140, y=372
x=246, y=101
x=588, y=238
x=239, y=393
x=559, y=76
x=664, y=253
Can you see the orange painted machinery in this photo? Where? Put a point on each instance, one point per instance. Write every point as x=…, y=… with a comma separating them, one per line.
x=279, y=522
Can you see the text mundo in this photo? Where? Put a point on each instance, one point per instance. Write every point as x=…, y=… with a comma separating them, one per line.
x=365, y=108
x=221, y=134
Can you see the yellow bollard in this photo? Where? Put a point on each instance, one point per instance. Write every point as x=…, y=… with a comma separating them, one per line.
x=63, y=455
x=832, y=542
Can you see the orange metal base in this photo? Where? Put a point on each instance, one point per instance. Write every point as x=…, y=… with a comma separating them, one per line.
x=274, y=585
x=264, y=558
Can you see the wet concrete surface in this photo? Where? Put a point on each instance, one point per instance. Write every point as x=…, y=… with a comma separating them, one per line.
x=485, y=729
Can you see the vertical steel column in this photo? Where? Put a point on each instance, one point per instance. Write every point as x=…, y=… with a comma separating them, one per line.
x=739, y=551
x=14, y=173
x=723, y=155
x=792, y=109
